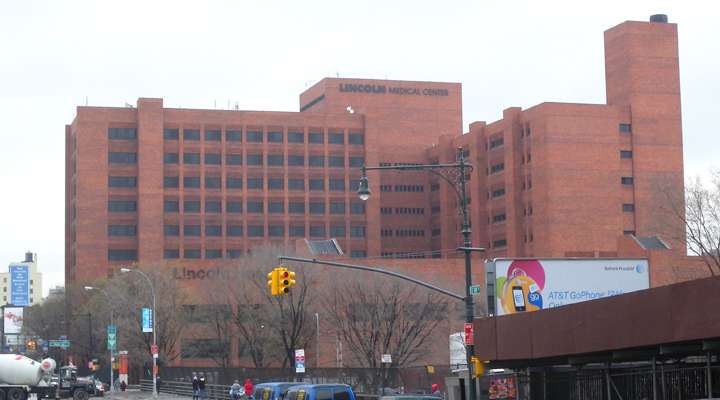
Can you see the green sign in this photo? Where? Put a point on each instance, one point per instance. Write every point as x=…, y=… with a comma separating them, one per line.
x=112, y=337
x=475, y=289
x=59, y=343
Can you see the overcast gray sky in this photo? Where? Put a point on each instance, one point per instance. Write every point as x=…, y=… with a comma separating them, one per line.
x=262, y=54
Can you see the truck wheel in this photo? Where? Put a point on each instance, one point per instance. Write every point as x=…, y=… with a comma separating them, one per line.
x=80, y=395
x=16, y=394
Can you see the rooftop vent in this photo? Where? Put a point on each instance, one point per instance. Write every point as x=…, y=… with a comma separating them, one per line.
x=662, y=18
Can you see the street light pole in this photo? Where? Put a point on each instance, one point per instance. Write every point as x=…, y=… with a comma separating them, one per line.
x=317, y=340
x=455, y=175
x=112, y=322
x=155, y=324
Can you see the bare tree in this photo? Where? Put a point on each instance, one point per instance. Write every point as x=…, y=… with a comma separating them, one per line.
x=381, y=317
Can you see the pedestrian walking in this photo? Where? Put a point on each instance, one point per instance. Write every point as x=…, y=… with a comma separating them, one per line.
x=195, y=386
x=435, y=390
x=201, y=387
x=236, y=391
x=248, y=388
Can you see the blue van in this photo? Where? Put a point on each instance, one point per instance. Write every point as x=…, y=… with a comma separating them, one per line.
x=272, y=390
x=332, y=391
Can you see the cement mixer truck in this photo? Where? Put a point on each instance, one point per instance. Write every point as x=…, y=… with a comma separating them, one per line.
x=21, y=376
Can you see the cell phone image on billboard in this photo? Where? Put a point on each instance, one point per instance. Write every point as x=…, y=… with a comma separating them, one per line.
x=518, y=298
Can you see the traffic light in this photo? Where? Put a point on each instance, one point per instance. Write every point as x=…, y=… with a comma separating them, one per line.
x=273, y=282
x=31, y=345
x=477, y=369
x=287, y=279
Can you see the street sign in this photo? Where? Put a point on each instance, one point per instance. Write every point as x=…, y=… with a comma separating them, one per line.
x=59, y=343
x=147, y=322
x=154, y=349
x=386, y=359
x=112, y=337
x=300, y=361
x=468, y=333
x=475, y=289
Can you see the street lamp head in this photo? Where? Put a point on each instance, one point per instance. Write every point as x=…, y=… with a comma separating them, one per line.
x=123, y=269
x=363, y=188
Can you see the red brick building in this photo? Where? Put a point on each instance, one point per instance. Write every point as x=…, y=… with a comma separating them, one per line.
x=149, y=184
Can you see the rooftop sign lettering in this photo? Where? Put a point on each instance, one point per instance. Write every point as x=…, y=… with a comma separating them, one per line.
x=399, y=90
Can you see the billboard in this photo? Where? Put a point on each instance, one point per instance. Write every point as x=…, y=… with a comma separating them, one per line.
x=535, y=284
x=19, y=285
x=12, y=320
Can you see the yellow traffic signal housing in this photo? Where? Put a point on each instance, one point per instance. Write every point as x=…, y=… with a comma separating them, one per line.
x=273, y=282
x=286, y=280
x=477, y=369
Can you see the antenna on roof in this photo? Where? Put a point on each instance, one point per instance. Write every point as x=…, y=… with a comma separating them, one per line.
x=337, y=74
x=237, y=106
x=86, y=101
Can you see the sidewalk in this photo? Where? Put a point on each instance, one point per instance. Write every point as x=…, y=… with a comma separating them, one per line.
x=139, y=395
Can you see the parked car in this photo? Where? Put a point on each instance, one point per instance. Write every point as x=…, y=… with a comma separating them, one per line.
x=272, y=390
x=320, y=392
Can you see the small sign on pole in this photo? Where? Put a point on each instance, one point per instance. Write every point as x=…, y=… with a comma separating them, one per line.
x=469, y=333
x=475, y=289
x=112, y=337
x=300, y=361
x=147, y=322
x=386, y=359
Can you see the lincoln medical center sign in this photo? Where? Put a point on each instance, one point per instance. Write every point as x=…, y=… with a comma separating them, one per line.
x=382, y=89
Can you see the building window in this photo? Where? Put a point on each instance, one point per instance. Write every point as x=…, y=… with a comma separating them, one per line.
x=316, y=161
x=192, y=253
x=626, y=180
x=213, y=206
x=275, y=184
x=192, y=206
x=356, y=138
x=191, y=134
x=213, y=136
x=122, y=181
x=337, y=185
x=255, y=183
x=256, y=231
x=336, y=161
x=213, y=182
x=499, y=243
x=254, y=159
x=255, y=137
x=233, y=136
x=170, y=206
x=354, y=184
x=295, y=160
x=357, y=231
x=626, y=154
x=357, y=208
x=275, y=160
x=122, y=133
x=316, y=138
x=296, y=137
x=498, y=193
x=317, y=184
x=213, y=159
x=317, y=231
x=122, y=230
x=213, y=253
x=275, y=137
x=122, y=158
x=171, y=134
x=234, y=206
x=191, y=182
x=497, y=168
x=296, y=184
x=337, y=231
x=628, y=207
x=356, y=161
x=499, y=218
x=171, y=254
x=234, y=253
x=233, y=159
x=317, y=208
x=435, y=232
x=336, y=138
x=232, y=182
x=276, y=207
x=171, y=158
x=297, y=231
x=191, y=158
x=435, y=210
x=255, y=207
x=337, y=207
x=625, y=128
x=496, y=143
x=191, y=230
x=276, y=230
x=122, y=205
x=628, y=232
x=386, y=188
x=296, y=207
x=171, y=230
x=234, y=230
x=386, y=232
x=171, y=181
x=213, y=230
x=122, y=255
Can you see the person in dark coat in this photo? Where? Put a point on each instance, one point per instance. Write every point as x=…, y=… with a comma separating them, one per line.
x=196, y=387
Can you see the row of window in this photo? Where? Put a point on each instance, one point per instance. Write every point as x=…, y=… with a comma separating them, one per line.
x=272, y=160
x=274, y=230
x=236, y=182
x=402, y=232
x=252, y=206
x=270, y=136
